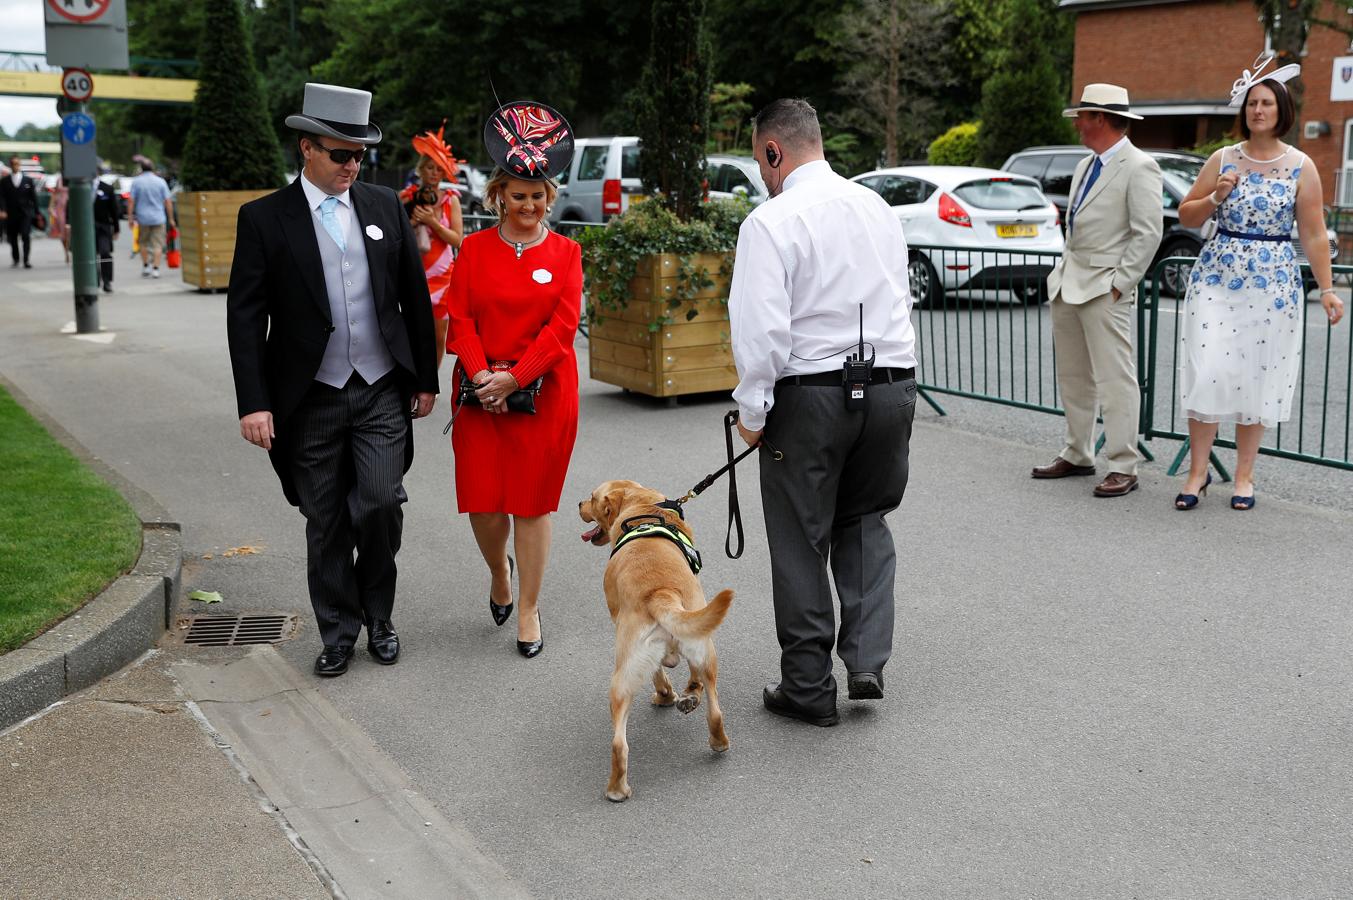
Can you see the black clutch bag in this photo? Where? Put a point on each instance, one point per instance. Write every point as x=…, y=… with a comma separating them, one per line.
x=522, y=400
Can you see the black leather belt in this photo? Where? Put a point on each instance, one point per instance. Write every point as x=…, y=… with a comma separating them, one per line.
x=833, y=379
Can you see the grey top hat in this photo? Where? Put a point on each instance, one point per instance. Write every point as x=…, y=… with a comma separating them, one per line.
x=1105, y=98
x=338, y=112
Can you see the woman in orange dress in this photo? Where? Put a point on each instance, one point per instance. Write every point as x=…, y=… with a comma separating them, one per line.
x=440, y=221
x=514, y=300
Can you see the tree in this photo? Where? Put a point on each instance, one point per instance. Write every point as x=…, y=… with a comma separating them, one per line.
x=729, y=113
x=230, y=145
x=161, y=30
x=290, y=37
x=672, y=106
x=892, y=83
x=1022, y=101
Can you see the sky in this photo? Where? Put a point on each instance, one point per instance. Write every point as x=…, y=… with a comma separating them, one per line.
x=24, y=31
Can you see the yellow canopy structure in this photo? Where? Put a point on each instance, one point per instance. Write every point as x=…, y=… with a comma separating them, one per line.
x=130, y=88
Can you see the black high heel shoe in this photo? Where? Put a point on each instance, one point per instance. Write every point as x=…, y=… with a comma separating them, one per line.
x=531, y=649
x=502, y=613
x=1185, y=502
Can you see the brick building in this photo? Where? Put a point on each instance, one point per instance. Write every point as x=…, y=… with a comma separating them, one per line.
x=1178, y=59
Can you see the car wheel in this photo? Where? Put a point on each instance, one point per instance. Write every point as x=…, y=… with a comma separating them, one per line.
x=1174, y=277
x=924, y=283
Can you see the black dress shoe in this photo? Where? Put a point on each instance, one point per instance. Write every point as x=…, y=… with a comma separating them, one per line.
x=781, y=705
x=529, y=649
x=333, y=661
x=382, y=642
x=865, y=686
x=502, y=613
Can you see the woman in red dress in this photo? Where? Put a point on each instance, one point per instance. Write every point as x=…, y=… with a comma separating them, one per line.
x=514, y=301
x=440, y=222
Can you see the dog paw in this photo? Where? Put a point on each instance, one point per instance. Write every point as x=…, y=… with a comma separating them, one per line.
x=660, y=699
x=688, y=702
x=620, y=795
x=671, y=660
x=719, y=746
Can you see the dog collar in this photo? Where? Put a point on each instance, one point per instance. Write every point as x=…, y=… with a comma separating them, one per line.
x=658, y=529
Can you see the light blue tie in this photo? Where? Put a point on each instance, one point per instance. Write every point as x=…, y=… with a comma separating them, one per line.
x=1089, y=183
x=329, y=219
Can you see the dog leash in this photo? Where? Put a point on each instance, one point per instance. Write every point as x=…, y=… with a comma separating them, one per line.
x=734, y=510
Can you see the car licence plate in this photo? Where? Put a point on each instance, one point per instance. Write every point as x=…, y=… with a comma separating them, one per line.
x=1016, y=231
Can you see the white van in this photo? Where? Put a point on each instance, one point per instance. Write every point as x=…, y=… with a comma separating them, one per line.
x=603, y=176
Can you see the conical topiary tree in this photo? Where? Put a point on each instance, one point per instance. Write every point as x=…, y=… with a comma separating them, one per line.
x=672, y=106
x=230, y=144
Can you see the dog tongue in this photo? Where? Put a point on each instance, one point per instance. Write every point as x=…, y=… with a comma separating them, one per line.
x=589, y=536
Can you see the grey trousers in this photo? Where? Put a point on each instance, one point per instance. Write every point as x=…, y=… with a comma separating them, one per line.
x=825, y=502
x=348, y=464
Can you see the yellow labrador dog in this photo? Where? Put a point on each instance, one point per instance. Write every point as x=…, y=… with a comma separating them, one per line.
x=659, y=611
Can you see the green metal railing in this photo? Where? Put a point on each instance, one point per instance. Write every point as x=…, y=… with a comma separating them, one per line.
x=984, y=332
x=1319, y=430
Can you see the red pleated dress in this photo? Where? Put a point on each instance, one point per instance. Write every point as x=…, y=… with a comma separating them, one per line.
x=525, y=311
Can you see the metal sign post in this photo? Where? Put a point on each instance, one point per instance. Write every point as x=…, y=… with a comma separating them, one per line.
x=79, y=167
x=83, y=35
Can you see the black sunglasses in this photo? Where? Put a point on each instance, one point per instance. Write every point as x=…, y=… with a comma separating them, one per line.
x=340, y=157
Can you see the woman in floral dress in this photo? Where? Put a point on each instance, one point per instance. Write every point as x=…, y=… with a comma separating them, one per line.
x=1243, y=318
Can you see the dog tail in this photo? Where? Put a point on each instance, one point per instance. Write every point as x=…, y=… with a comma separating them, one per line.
x=697, y=624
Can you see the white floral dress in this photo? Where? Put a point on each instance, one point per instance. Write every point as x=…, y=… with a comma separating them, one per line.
x=1240, y=354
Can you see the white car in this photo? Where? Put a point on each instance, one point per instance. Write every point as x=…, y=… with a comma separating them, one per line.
x=735, y=176
x=990, y=218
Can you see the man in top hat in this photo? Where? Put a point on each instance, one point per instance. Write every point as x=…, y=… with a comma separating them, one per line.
x=1113, y=227
x=19, y=209
x=331, y=342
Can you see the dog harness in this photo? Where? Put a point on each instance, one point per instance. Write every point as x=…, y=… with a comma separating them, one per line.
x=656, y=527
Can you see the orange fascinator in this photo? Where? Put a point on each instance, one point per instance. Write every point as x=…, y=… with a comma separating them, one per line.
x=436, y=149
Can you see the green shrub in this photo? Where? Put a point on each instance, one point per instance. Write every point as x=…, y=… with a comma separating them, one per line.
x=611, y=253
x=956, y=147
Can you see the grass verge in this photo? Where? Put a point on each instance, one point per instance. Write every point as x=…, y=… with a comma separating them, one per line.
x=64, y=533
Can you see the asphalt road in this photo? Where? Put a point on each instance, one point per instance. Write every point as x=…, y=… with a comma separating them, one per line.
x=1087, y=698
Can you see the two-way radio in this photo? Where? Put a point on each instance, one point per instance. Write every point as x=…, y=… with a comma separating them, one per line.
x=858, y=371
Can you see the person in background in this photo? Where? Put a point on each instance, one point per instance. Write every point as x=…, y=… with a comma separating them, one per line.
x=151, y=207
x=438, y=225
x=56, y=215
x=19, y=209
x=107, y=225
x=1244, y=320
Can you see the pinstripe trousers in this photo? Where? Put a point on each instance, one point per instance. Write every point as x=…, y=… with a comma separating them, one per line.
x=843, y=471
x=348, y=465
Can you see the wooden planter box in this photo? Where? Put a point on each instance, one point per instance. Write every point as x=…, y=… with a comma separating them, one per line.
x=681, y=357
x=207, y=234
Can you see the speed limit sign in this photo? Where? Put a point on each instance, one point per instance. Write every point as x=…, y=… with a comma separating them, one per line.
x=77, y=85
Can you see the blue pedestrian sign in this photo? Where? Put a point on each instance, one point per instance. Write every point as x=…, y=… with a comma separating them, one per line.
x=77, y=128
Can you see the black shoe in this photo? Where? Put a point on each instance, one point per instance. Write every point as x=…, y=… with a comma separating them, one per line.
x=781, y=705
x=108, y=287
x=333, y=661
x=502, y=613
x=864, y=686
x=27, y=265
x=529, y=649
x=382, y=642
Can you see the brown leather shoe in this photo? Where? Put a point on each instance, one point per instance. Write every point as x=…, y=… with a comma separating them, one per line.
x=1116, y=484
x=1060, y=468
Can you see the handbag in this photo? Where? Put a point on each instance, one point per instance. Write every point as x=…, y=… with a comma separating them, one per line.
x=522, y=400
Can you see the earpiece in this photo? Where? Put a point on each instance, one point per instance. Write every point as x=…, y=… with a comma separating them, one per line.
x=772, y=156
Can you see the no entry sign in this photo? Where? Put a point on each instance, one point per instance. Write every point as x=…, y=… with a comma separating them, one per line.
x=80, y=11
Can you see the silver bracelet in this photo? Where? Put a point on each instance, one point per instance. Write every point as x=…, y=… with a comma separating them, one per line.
x=1212, y=198
x=1329, y=290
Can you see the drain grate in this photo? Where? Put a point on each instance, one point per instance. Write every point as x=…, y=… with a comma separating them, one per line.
x=234, y=631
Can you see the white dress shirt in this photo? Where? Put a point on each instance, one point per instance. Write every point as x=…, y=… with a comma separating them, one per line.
x=17, y=178
x=1103, y=163
x=806, y=260
x=314, y=196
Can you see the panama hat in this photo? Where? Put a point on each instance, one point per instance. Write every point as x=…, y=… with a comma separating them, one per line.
x=337, y=112
x=529, y=140
x=1105, y=98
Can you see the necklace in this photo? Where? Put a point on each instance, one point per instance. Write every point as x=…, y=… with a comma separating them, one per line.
x=519, y=246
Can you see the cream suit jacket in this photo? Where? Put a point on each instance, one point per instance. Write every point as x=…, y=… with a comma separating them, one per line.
x=1116, y=230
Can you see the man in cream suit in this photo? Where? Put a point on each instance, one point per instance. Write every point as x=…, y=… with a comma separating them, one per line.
x=1113, y=229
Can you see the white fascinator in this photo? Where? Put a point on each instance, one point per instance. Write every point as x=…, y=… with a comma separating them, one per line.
x=1250, y=77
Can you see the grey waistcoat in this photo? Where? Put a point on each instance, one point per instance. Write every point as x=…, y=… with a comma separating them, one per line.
x=356, y=342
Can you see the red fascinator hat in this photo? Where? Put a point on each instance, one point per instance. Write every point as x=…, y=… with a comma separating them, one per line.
x=439, y=151
x=529, y=140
